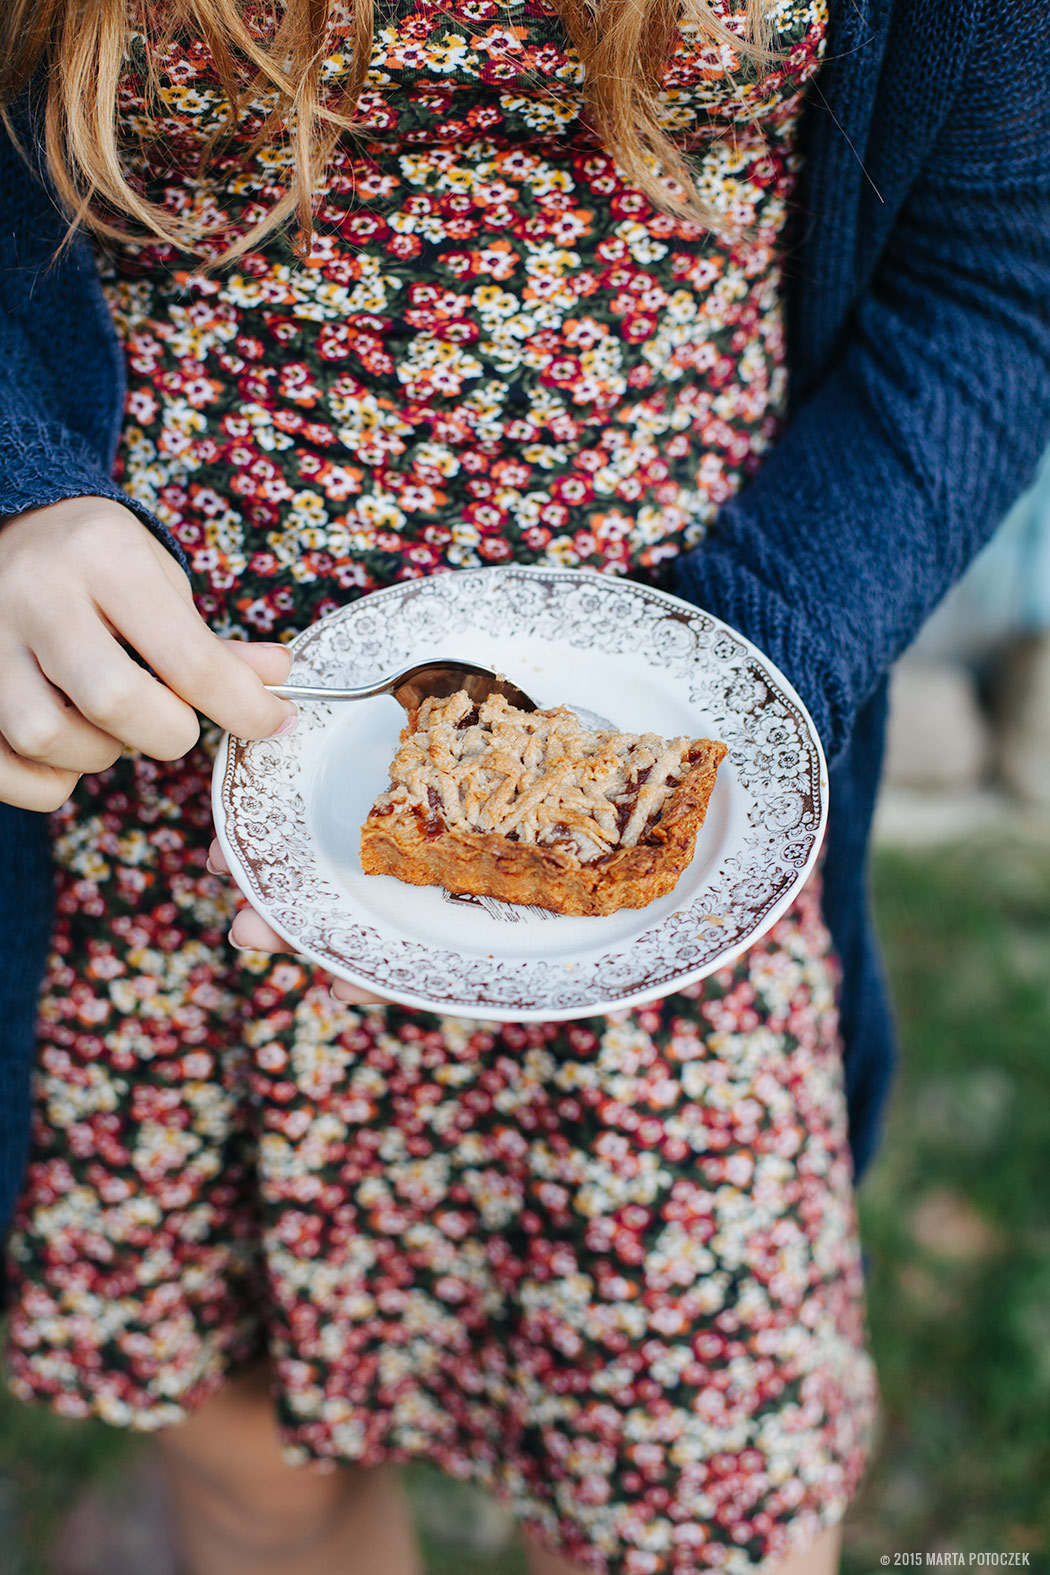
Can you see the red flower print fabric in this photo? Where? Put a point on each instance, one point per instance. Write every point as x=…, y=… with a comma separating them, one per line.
x=608, y=1270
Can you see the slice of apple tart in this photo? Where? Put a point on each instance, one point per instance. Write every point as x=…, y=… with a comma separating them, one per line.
x=532, y=807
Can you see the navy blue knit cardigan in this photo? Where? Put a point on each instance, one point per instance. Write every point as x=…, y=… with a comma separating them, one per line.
x=920, y=384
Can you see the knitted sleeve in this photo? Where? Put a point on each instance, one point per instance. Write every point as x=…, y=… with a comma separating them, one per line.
x=904, y=457
x=61, y=369
x=42, y=458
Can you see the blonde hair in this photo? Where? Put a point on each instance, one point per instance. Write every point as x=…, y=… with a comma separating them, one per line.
x=624, y=46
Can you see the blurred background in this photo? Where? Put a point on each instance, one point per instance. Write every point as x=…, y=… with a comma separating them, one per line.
x=955, y=1213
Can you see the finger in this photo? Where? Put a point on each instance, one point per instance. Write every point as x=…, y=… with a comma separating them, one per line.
x=40, y=725
x=352, y=996
x=217, y=859
x=28, y=785
x=168, y=632
x=270, y=662
x=110, y=690
x=251, y=933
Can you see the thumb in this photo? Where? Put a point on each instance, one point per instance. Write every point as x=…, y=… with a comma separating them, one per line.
x=271, y=663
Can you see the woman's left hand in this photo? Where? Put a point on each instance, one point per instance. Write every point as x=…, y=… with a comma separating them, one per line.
x=251, y=932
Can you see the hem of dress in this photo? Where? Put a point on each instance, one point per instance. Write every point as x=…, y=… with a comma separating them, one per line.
x=141, y=1420
x=809, y=1525
x=813, y=1523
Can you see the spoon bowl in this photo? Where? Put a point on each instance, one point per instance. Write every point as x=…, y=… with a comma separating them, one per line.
x=437, y=680
x=422, y=681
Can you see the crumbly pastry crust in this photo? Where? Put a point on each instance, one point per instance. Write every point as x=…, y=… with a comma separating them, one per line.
x=534, y=808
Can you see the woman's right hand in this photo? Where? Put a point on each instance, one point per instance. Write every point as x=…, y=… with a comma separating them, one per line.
x=77, y=578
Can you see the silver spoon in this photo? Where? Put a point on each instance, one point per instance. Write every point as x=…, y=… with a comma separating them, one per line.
x=412, y=685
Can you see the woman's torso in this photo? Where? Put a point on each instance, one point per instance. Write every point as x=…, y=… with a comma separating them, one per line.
x=496, y=347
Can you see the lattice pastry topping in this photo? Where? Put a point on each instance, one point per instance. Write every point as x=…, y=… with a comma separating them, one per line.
x=534, y=807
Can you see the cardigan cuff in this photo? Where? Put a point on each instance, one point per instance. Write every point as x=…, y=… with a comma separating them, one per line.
x=28, y=485
x=711, y=578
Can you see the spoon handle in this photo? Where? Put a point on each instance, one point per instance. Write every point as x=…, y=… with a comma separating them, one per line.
x=312, y=692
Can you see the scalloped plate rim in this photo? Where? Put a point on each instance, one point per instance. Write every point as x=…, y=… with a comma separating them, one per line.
x=492, y=1010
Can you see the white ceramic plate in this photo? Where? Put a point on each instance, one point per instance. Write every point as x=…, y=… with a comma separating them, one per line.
x=289, y=811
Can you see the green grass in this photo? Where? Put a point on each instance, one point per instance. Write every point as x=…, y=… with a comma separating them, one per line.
x=44, y=1460
x=956, y=1224
x=956, y=1212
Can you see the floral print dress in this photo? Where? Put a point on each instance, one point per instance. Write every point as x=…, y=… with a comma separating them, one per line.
x=609, y=1269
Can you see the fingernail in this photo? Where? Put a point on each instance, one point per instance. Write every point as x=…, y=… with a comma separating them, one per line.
x=289, y=725
x=210, y=867
x=270, y=645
